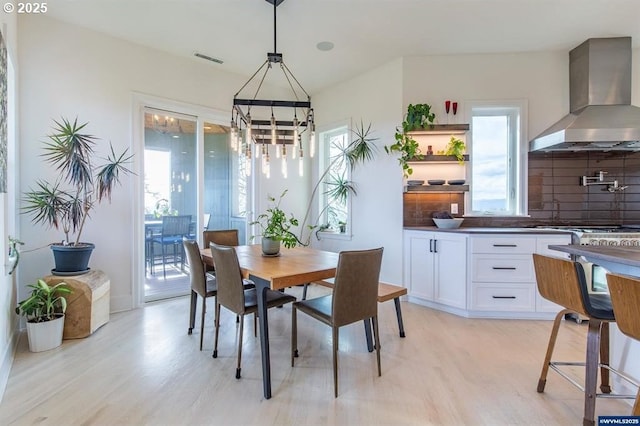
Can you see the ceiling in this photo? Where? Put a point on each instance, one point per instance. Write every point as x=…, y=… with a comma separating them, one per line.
x=366, y=33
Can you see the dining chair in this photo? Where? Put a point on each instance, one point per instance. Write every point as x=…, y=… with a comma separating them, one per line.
x=201, y=285
x=233, y=296
x=563, y=282
x=625, y=299
x=354, y=298
x=222, y=237
x=174, y=229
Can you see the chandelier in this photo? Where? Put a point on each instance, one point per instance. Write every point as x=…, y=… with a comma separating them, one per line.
x=258, y=129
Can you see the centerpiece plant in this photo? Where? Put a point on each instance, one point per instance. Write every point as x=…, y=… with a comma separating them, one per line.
x=67, y=202
x=276, y=227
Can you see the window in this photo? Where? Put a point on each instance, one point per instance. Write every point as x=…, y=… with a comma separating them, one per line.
x=334, y=180
x=497, y=158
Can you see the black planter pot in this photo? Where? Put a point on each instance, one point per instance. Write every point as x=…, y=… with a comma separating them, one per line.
x=71, y=260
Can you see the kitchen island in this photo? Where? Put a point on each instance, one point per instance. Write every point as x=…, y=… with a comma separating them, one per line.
x=625, y=352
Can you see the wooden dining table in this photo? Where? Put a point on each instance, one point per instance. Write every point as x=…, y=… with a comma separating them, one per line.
x=295, y=266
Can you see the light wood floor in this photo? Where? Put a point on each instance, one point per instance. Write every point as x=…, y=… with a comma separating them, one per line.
x=143, y=368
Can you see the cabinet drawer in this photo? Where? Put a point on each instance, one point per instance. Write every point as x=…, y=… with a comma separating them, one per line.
x=502, y=268
x=503, y=245
x=506, y=297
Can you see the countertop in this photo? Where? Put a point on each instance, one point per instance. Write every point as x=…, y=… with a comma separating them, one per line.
x=622, y=255
x=472, y=230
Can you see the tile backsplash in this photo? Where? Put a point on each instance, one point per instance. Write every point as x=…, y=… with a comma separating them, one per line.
x=555, y=195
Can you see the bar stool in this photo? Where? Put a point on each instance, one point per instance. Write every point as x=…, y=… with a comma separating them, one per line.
x=625, y=298
x=563, y=282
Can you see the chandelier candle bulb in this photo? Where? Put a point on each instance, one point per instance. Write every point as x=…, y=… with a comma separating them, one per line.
x=284, y=165
x=248, y=129
x=274, y=137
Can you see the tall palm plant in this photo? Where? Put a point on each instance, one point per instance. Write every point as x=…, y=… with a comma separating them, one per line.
x=338, y=187
x=67, y=202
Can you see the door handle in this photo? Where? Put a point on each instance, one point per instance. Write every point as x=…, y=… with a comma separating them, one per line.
x=435, y=246
x=505, y=245
x=504, y=268
x=430, y=245
x=503, y=297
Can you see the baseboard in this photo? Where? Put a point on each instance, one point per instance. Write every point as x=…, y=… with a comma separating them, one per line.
x=7, y=360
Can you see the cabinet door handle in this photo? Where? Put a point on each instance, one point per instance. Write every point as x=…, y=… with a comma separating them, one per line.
x=503, y=297
x=505, y=245
x=430, y=245
x=504, y=268
x=435, y=246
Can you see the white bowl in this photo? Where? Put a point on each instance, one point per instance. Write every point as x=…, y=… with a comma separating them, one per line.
x=448, y=223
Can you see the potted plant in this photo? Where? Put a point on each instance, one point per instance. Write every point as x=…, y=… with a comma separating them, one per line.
x=418, y=117
x=342, y=226
x=44, y=311
x=80, y=186
x=275, y=227
x=338, y=187
x=456, y=148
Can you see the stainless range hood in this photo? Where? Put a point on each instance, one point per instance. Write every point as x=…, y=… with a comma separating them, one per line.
x=602, y=117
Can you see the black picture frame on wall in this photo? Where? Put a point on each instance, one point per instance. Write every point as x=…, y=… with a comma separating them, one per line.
x=3, y=113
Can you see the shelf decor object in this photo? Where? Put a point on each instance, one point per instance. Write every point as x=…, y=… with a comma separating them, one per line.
x=257, y=117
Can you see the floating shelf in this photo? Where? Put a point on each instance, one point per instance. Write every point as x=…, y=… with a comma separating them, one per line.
x=442, y=129
x=437, y=188
x=438, y=158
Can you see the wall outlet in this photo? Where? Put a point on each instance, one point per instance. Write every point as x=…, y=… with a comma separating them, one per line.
x=454, y=208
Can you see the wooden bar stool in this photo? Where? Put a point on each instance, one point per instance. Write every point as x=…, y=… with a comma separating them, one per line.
x=625, y=298
x=563, y=282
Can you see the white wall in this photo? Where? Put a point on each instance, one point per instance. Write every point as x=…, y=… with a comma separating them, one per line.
x=374, y=97
x=8, y=318
x=71, y=71
x=540, y=78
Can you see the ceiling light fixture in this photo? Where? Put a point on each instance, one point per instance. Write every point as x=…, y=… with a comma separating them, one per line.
x=259, y=119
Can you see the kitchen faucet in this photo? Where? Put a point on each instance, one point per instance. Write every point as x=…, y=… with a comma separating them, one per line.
x=599, y=180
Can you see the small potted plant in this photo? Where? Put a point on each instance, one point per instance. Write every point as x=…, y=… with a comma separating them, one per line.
x=275, y=227
x=80, y=186
x=44, y=311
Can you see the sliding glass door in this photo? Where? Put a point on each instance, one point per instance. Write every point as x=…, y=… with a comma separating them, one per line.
x=170, y=200
x=193, y=181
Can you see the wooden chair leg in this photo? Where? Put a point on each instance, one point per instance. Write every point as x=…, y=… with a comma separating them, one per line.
x=605, y=386
x=376, y=336
x=335, y=336
x=217, y=322
x=636, y=405
x=204, y=310
x=591, y=371
x=240, y=347
x=192, y=311
x=552, y=342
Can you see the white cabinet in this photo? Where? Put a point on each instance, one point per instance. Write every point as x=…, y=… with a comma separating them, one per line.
x=478, y=274
x=502, y=276
x=436, y=267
